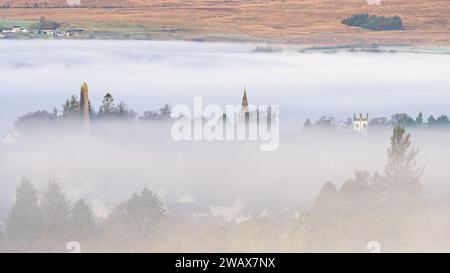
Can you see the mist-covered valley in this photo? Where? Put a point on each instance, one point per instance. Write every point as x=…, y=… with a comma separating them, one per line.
x=218, y=186
x=125, y=184
x=147, y=74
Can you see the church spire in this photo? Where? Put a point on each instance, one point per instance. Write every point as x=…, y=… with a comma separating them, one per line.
x=244, y=108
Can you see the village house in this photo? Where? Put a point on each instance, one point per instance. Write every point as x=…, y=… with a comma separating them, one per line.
x=73, y=32
x=18, y=29
x=15, y=29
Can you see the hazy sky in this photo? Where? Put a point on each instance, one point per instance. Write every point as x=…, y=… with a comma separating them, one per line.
x=146, y=74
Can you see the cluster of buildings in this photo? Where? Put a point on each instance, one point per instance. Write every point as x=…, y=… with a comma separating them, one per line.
x=228, y=211
x=15, y=29
x=62, y=33
x=6, y=32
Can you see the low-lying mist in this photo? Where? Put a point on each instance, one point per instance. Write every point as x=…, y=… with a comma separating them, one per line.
x=112, y=160
x=129, y=186
x=147, y=74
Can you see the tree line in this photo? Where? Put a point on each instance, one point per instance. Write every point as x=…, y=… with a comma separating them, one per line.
x=374, y=22
x=109, y=110
x=45, y=221
x=367, y=206
x=381, y=205
x=399, y=119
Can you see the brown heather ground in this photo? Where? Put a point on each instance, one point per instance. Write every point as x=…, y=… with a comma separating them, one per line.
x=307, y=22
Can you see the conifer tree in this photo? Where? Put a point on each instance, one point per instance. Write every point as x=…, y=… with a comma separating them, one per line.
x=55, y=212
x=108, y=107
x=401, y=170
x=138, y=216
x=71, y=108
x=24, y=221
x=419, y=119
x=307, y=124
x=82, y=222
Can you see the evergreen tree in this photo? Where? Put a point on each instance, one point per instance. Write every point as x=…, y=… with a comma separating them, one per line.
x=326, y=122
x=123, y=112
x=138, y=216
x=24, y=221
x=108, y=108
x=327, y=195
x=402, y=119
x=71, y=108
x=36, y=120
x=164, y=113
x=44, y=24
x=149, y=115
x=442, y=120
x=379, y=121
x=307, y=124
x=431, y=121
x=374, y=22
x=55, y=212
x=419, y=119
x=82, y=222
x=402, y=173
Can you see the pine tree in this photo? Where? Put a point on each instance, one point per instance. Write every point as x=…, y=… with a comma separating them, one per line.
x=401, y=170
x=82, y=222
x=108, y=107
x=431, y=121
x=24, y=221
x=139, y=215
x=442, y=120
x=71, y=108
x=55, y=212
x=166, y=112
x=124, y=112
x=419, y=119
x=307, y=124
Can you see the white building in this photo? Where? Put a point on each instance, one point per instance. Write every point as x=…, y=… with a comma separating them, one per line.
x=16, y=29
x=360, y=124
x=73, y=2
x=233, y=213
x=373, y=2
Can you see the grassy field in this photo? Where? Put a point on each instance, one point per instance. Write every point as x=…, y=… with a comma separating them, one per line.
x=12, y=22
x=308, y=22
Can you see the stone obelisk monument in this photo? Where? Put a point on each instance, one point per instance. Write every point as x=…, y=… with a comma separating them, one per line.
x=84, y=104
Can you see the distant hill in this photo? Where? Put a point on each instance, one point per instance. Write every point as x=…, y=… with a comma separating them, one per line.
x=312, y=22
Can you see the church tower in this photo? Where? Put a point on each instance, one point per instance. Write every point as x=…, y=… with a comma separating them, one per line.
x=244, y=109
x=360, y=124
x=84, y=103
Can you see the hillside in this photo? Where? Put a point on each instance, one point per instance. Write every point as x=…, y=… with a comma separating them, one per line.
x=309, y=22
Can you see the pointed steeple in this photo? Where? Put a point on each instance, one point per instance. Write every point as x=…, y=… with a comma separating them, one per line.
x=244, y=108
